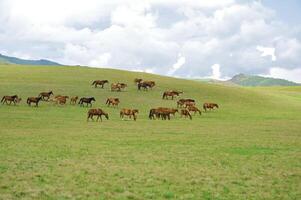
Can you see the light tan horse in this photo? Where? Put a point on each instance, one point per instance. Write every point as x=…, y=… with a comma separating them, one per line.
x=129, y=113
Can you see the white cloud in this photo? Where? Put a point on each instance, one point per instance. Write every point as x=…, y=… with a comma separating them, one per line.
x=216, y=73
x=293, y=75
x=180, y=62
x=267, y=51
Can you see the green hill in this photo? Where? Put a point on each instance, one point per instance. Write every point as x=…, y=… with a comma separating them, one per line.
x=13, y=60
x=248, y=149
x=249, y=80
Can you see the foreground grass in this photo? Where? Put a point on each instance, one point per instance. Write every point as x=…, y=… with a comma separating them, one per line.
x=249, y=149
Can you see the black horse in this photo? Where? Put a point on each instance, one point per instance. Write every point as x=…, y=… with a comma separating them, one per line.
x=87, y=100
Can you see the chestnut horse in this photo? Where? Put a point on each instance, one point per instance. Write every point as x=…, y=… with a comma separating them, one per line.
x=45, y=95
x=112, y=101
x=15, y=99
x=129, y=112
x=194, y=109
x=163, y=113
x=118, y=86
x=185, y=113
x=98, y=112
x=209, y=106
x=100, y=82
x=33, y=100
x=181, y=102
x=87, y=100
x=61, y=100
x=171, y=94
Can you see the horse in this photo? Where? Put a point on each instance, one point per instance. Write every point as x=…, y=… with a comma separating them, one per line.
x=118, y=86
x=181, y=102
x=61, y=100
x=112, y=101
x=185, y=113
x=171, y=93
x=194, y=109
x=58, y=96
x=150, y=83
x=73, y=100
x=99, y=82
x=144, y=85
x=209, y=106
x=86, y=100
x=15, y=99
x=33, y=100
x=45, y=94
x=137, y=80
x=163, y=113
x=98, y=112
x=189, y=104
x=129, y=112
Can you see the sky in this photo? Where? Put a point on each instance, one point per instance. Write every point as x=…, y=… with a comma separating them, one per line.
x=181, y=38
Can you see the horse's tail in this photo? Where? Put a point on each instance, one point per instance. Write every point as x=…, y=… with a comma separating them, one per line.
x=93, y=82
x=2, y=100
x=107, y=101
x=189, y=116
x=164, y=94
x=205, y=106
x=28, y=101
x=121, y=114
x=80, y=101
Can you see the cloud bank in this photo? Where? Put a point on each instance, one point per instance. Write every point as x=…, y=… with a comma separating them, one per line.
x=170, y=37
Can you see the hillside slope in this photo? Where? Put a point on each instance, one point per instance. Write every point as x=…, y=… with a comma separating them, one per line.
x=247, y=149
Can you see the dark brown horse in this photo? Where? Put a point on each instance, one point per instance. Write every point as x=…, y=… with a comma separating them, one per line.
x=100, y=82
x=87, y=100
x=185, y=113
x=97, y=112
x=209, y=106
x=73, y=100
x=150, y=83
x=45, y=95
x=35, y=100
x=194, y=109
x=15, y=99
x=144, y=85
x=112, y=101
x=181, y=102
x=171, y=94
x=137, y=80
x=129, y=113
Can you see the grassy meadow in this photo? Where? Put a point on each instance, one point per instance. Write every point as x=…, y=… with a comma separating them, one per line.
x=248, y=149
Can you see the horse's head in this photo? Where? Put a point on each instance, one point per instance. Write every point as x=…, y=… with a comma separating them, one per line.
x=106, y=115
x=50, y=93
x=93, y=99
x=216, y=105
x=176, y=110
x=135, y=111
x=106, y=81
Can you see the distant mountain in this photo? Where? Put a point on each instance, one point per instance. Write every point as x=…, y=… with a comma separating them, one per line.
x=251, y=80
x=13, y=60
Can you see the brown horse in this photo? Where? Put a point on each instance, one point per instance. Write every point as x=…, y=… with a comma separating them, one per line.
x=171, y=94
x=189, y=104
x=209, y=106
x=181, y=102
x=144, y=85
x=185, y=113
x=150, y=83
x=61, y=100
x=35, y=100
x=129, y=113
x=194, y=109
x=118, y=86
x=15, y=99
x=163, y=113
x=98, y=112
x=112, y=101
x=58, y=96
x=45, y=95
x=73, y=100
x=87, y=100
x=137, y=80
x=100, y=82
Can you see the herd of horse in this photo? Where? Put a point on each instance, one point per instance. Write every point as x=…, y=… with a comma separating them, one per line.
x=184, y=106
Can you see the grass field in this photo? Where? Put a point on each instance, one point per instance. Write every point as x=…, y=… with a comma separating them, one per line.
x=248, y=149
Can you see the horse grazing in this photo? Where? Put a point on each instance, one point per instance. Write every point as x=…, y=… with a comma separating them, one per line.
x=150, y=83
x=185, y=113
x=137, y=80
x=112, y=101
x=98, y=112
x=194, y=109
x=171, y=94
x=209, y=106
x=35, y=100
x=87, y=100
x=129, y=113
x=73, y=100
x=144, y=85
x=61, y=100
x=118, y=86
x=15, y=99
x=100, y=82
x=163, y=113
x=181, y=102
x=45, y=95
